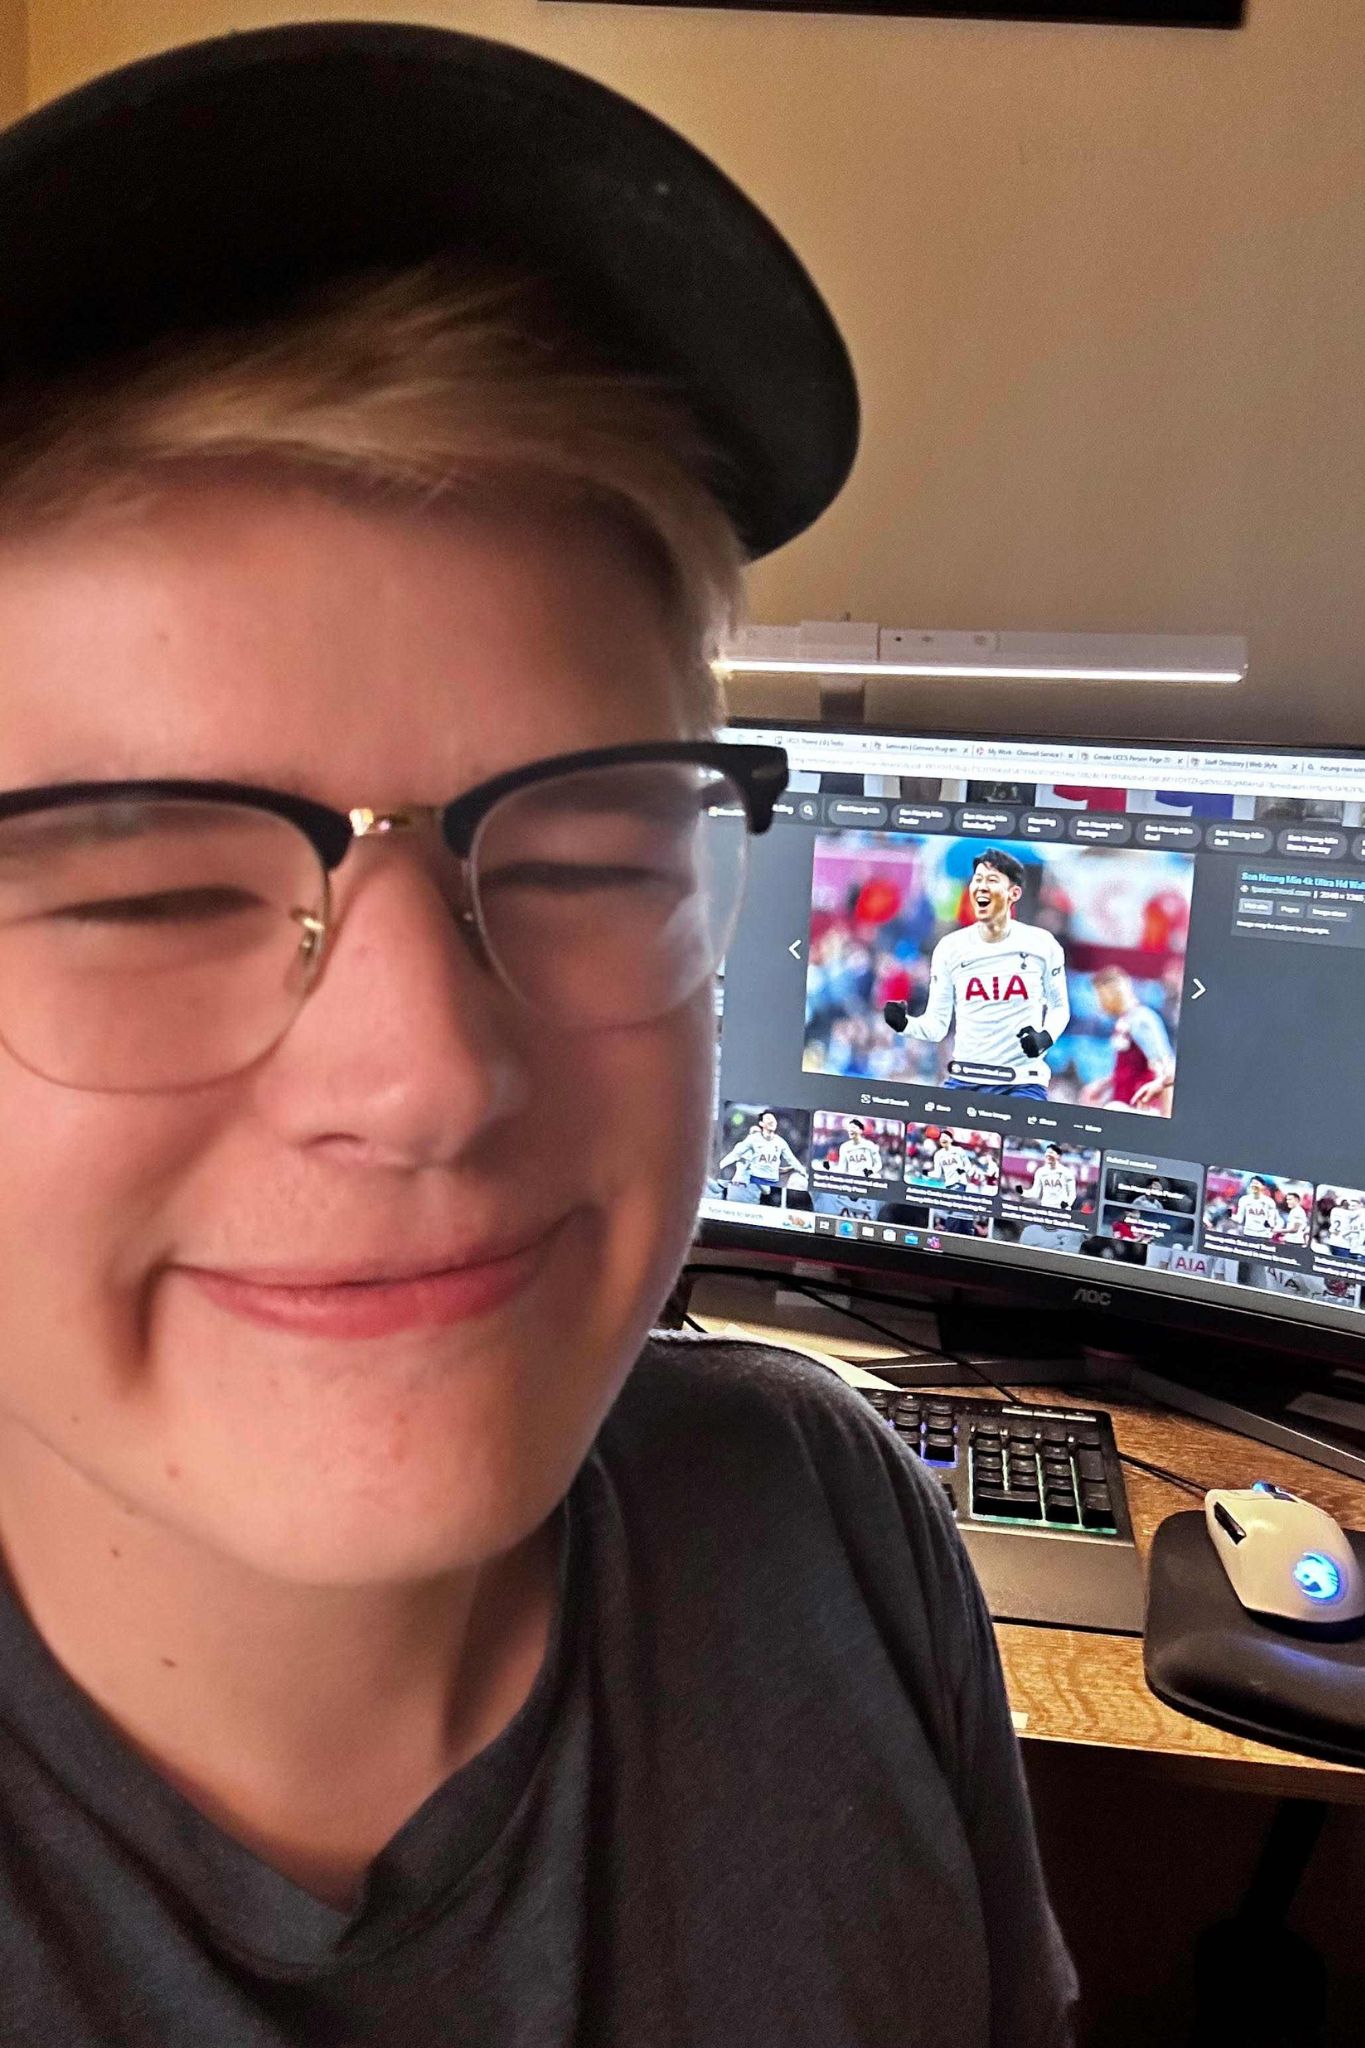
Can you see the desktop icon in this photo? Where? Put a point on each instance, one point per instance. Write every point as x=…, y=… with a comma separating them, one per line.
x=934, y=1244
x=846, y=1229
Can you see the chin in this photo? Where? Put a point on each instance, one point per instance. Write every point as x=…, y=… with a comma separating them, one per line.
x=365, y=1544
x=421, y=1455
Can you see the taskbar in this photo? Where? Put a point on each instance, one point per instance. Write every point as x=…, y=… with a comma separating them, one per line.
x=826, y=1236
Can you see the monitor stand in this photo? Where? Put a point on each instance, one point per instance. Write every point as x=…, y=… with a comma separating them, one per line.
x=1317, y=1411
x=1309, y=1407
x=954, y=1343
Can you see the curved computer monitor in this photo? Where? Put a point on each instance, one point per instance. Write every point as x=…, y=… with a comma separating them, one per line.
x=1131, y=980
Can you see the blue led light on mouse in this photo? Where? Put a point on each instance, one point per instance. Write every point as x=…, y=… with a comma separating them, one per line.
x=1318, y=1576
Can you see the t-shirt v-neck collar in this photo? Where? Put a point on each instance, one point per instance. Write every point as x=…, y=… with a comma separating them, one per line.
x=251, y=1909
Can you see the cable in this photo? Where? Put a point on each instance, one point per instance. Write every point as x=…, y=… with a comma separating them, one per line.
x=826, y=1298
x=816, y=1293
x=1160, y=1472
x=693, y=1324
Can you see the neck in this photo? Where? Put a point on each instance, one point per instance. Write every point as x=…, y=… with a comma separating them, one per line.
x=994, y=928
x=257, y=1698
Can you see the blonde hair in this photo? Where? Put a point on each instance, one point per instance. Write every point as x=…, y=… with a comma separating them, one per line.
x=419, y=387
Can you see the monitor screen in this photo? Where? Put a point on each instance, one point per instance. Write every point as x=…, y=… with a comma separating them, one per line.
x=1035, y=1005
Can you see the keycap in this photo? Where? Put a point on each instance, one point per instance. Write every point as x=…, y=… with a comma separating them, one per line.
x=1096, y=1508
x=940, y=1450
x=1059, y=1507
x=1023, y=1507
x=1055, y=1432
x=1090, y=1464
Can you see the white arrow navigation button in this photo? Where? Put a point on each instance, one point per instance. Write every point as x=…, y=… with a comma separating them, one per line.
x=795, y=949
x=1199, y=990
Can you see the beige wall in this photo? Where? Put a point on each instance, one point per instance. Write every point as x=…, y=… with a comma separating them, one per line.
x=13, y=58
x=1105, y=289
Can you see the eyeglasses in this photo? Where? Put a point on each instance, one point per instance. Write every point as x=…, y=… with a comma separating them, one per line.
x=161, y=934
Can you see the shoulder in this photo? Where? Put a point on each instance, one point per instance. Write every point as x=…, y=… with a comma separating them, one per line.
x=1041, y=940
x=952, y=945
x=746, y=1496
x=705, y=1424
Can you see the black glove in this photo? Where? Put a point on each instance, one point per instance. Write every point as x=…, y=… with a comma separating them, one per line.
x=897, y=1015
x=1035, y=1042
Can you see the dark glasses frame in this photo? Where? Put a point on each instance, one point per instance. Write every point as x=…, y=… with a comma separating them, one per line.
x=759, y=773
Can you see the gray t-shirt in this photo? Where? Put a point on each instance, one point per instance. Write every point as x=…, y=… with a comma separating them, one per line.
x=764, y=1793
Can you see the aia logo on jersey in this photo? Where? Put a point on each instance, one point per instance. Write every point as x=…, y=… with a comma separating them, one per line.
x=979, y=990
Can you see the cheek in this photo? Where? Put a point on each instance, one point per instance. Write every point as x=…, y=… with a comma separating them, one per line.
x=640, y=1102
x=83, y=1179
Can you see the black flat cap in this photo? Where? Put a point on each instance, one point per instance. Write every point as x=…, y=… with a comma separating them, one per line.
x=217, y=182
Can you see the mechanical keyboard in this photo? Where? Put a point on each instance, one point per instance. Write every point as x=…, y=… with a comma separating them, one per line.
x=1038, y=1495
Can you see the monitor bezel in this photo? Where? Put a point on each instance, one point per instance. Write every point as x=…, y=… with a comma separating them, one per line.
x=1111, y=1298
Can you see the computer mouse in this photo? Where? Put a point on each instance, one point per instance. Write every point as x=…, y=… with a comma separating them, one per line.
x=1284, y=1558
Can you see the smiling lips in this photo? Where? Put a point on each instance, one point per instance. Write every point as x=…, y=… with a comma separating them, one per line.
x=351, y=1302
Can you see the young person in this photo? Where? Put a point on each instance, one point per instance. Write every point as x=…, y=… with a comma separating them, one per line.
x=762, y=1156
x=1257, y=1213
x=398, y=1644
x=998, y=985
x=1054, y=1184
x=858, y=1153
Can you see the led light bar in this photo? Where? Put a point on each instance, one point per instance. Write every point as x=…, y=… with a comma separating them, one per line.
x=863, y=650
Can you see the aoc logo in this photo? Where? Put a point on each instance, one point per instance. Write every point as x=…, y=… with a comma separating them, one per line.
x=1093, y=1297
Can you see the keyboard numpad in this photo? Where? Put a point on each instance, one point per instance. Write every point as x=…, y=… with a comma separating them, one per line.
x=1009, y=1465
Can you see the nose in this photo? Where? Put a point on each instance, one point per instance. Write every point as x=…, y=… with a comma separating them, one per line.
x=407, y=1051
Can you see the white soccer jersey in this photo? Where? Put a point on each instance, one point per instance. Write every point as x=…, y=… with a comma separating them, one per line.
x=1256, y=1216
x=986, y=993
x=860, y=1155
x=953, y=1166
x=1296, y=1227
x=1055, y=1186
x=1346, y=1228
x=760, y=1157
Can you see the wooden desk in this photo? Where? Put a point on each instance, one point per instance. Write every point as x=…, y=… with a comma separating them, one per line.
x=1073, y=1689
x=1088, y=1692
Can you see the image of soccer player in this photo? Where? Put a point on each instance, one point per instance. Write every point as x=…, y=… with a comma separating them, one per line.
x=1144, y=1060
x=1153, y=1196
x=761, y=1158
x=859, y=1153
x=953, y=1164
x=1054, y=1185
x=1346, y=1228
x=1295, y=1229
x=1257, y=1214
x=999, y=985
